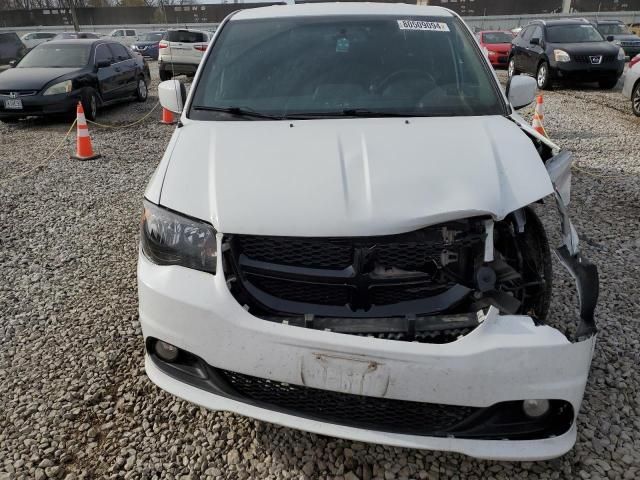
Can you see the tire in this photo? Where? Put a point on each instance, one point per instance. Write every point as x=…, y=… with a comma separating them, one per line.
x=528, y=253
x=608, y=84
x=511, y=68
x=164, y=75
x=542, y=76
x=142, y=92
x=90, y=105
x=635, y=100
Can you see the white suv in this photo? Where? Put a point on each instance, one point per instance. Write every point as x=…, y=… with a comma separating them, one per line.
x=180, y=52
x=340, y=238
x=34, y=39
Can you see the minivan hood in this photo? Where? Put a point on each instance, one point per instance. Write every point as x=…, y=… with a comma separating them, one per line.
x=31, y=78
x=350, y=177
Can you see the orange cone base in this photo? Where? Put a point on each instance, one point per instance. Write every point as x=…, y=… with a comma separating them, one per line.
x=91, y=157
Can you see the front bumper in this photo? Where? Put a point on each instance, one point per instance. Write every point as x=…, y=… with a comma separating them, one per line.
x=584, y=72
x=507, y=358
x=40, y=105
x=499, y=60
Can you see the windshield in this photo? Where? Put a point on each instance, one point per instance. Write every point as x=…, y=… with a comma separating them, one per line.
x=152, y=37
x=323, y=66
x=613, y=29
x=62, y=56
x=573, y=34
x=496, y=37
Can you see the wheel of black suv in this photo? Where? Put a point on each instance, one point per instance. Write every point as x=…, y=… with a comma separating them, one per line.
x=542, y=76
x=527, y=252
x=608, y=84
x=635, y=100
x=511, y=69
x=164, y=75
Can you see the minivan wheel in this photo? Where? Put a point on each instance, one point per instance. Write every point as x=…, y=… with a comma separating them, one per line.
x=511, y=69
x=608, y=84
x=142, y=92
x=164, y=75
x=635, y=100
x=542, y=76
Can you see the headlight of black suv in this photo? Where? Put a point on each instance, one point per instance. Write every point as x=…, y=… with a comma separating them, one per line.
x=168, y=238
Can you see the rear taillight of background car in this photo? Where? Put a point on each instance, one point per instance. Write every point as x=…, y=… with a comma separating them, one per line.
x=163, y=44
x=201, y=47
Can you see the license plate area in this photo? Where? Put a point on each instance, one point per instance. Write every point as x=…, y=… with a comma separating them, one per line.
x=345, y=374
x=13, y=104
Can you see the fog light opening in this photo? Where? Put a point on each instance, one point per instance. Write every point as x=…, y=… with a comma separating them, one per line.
x=535, y=408
x=166, y=351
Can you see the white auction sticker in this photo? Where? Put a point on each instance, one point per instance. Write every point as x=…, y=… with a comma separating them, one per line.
x=422, y=25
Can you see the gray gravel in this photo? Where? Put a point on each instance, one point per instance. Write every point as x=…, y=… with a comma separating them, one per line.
x=74, y=399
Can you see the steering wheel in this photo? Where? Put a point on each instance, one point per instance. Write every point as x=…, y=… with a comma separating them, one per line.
x=394, y=77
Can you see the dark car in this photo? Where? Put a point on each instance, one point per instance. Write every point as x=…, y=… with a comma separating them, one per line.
x=78, y=35
x=147, y=46
x=55, y=75
x=570, y=49
x=11, y=48
x=618, y=33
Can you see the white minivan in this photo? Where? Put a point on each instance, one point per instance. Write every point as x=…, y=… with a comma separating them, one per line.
x=342, y=238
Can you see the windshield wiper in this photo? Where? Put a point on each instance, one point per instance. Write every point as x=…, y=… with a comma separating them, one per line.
x=238, y=111
x=359, y=112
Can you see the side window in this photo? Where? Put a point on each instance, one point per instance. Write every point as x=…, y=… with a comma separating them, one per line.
x=103, y=54
x=131, y=33
x=118, y=33
x=537, y=33
x=526, y=33
x=119, y=52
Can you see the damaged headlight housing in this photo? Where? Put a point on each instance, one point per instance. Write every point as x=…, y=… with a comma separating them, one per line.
x=168, y=238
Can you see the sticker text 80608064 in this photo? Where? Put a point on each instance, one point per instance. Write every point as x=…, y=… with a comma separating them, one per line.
x=423, y=25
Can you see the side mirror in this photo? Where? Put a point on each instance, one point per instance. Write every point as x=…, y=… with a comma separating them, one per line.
x=13, y=63
x=535, y=41
x=103, y=64
x=610, y=38
x=522, y=91
x=172, y=94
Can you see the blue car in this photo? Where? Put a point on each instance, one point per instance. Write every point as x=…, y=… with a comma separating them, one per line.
x=147, y=46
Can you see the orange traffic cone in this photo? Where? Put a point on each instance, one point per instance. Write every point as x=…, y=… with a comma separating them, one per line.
x=538, y=117
x=84, y=149
x=167, y=117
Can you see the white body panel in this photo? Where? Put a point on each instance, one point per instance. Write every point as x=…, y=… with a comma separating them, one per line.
x=630, y=79
x=350, y=177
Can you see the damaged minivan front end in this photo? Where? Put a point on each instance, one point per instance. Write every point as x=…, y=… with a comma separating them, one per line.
x=382, y=279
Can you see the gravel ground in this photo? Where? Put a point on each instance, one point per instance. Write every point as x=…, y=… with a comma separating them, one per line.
x=74, y=398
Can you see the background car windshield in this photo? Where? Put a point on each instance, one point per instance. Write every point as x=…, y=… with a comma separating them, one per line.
x=64, y=56
x=152, y=37
x=411, y=66
x=497, y=37
x=613, y=29
x=573, y=34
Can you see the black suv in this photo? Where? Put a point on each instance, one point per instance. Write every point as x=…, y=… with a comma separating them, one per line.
x=570, y=49
x=618, y=33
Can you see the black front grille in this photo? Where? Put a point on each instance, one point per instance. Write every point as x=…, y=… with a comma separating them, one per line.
x=325, y=253
x=21, y=93
x=302, y=291
x=399, y=416
x=587, y=59
x=356, y=276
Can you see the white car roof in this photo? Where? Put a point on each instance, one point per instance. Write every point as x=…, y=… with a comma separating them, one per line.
x=322, y=9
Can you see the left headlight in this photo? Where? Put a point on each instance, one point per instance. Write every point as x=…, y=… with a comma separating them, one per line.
x=61, y=87
x=168, y=238
x=621, y=54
